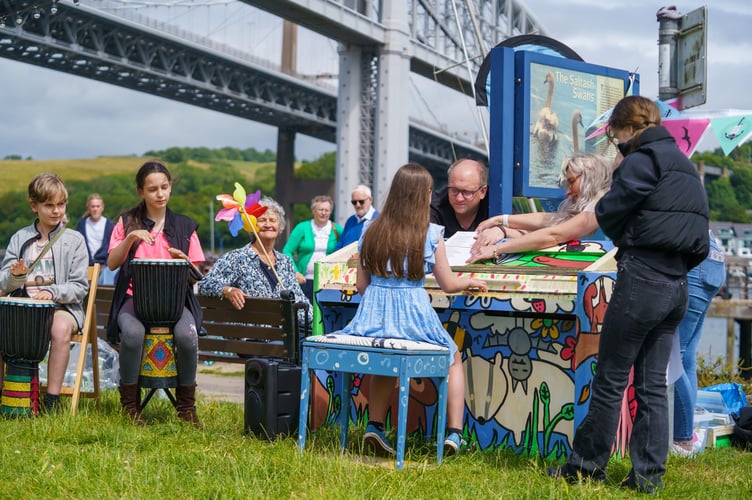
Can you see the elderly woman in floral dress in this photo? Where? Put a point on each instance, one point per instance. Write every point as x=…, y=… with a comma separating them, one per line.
x=250, y=271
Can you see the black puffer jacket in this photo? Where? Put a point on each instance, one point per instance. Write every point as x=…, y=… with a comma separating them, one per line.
x=657, y=209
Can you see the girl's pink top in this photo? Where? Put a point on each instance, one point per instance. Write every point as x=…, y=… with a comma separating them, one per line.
x=159, y=249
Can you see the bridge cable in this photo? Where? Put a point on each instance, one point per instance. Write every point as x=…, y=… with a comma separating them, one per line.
x=470, y=73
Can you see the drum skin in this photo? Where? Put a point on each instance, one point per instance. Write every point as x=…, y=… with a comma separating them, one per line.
x=159, y=288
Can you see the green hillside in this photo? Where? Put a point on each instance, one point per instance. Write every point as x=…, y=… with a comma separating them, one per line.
x=16, y=174
x=195, y=186
x=199, y=175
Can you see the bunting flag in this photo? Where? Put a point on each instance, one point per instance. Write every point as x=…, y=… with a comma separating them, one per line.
x=687, y=132
x=600, y=130
x=732, y=130
x=668, y=109
x=731, y=127
x=602, y=119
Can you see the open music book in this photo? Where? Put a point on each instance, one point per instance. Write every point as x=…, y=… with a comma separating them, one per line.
x=458, y=247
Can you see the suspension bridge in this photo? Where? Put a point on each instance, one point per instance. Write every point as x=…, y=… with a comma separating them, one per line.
x=147, y=46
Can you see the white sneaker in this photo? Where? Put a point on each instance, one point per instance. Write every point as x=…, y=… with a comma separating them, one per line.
x=679, y=450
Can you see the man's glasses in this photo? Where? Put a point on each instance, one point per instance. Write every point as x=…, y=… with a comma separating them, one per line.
x=359, y=202
x=464, y=193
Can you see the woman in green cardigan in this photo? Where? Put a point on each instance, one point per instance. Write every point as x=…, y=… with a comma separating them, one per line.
x=311, y=240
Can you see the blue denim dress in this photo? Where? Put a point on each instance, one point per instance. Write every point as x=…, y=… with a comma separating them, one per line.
x=399, y=308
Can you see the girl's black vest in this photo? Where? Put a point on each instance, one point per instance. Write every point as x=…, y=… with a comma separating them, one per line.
x=177, y=230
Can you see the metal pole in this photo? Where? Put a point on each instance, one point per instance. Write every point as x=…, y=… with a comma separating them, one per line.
x=668, y=32
x=211, y=225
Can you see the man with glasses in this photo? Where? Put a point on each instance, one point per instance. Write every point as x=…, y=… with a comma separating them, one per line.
x=362, y=202
x=462, y=204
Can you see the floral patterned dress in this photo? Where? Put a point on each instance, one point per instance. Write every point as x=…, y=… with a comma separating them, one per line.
x=242, y=268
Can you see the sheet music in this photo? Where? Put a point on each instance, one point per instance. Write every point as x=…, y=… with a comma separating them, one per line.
x=458, y=247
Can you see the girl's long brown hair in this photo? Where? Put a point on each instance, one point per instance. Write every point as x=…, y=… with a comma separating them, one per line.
x=399, y=231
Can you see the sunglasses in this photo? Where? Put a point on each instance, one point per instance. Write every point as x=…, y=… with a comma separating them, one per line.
x=358, y=202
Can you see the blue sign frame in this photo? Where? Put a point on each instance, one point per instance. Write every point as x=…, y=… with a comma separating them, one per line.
x=553, y=94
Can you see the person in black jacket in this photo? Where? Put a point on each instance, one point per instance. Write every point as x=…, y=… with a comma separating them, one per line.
x=150, y=230
x=656, y=212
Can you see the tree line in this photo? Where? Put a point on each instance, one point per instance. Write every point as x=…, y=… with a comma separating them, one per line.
x=730, y=198
x=193, y=192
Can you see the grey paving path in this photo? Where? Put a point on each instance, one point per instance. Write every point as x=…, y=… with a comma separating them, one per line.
x=221, y=382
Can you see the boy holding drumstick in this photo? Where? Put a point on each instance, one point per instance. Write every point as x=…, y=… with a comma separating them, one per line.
x=47, y=261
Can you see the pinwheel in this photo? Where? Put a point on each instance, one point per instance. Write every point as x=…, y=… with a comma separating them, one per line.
x=241, y=211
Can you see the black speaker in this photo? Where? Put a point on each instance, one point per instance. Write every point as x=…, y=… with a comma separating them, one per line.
x=272, y=397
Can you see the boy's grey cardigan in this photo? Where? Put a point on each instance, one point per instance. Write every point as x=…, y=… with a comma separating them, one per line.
x=71, y=261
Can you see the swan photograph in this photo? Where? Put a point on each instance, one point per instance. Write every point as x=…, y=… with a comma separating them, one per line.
x=563, y=103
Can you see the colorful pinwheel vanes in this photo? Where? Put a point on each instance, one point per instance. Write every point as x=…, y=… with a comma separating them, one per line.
x=240, y=210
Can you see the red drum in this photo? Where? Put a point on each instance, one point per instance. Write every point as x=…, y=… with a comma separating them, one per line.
x=159, y=291
x=25, y=326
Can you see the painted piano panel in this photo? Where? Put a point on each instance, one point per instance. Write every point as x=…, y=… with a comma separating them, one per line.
x=528, y=346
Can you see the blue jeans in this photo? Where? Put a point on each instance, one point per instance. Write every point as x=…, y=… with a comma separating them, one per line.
x=703, y=282
x=641, y=319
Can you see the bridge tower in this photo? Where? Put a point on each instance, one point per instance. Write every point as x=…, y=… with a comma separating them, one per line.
x=372, y=110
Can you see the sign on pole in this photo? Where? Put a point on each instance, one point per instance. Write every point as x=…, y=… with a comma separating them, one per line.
x=691, y=67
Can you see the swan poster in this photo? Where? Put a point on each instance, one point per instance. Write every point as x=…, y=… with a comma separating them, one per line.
x=562, y=100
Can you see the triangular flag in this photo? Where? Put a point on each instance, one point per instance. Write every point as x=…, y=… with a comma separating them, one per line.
x=731, y=130
x=668, y=112
x=686, y=132
x=602, y=118
x=630, y=88
x=598, y=131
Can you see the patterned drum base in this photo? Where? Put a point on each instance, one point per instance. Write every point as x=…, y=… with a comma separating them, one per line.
x=158, y=368
x=20, y=390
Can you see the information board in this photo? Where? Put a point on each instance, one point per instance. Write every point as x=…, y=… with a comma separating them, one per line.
x=555, y=99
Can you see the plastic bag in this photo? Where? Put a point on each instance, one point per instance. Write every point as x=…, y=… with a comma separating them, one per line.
x=109, y=367
x=732, y=397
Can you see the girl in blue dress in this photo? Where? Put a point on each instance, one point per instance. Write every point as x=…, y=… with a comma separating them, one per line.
x=394, y=301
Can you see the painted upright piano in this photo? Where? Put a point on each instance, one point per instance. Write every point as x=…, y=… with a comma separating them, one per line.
x=528, y=345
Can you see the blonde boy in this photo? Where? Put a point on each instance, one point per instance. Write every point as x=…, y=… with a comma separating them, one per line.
x=60, y=274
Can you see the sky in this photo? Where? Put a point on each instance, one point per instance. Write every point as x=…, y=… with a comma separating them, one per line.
x=49, y=114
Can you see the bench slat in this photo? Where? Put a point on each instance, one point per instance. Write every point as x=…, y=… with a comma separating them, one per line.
x=241, y=347
x=265, y=322
x=256, y=332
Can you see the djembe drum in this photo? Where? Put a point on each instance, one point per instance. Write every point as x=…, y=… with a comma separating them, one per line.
x=25, y=326
x=159, y=289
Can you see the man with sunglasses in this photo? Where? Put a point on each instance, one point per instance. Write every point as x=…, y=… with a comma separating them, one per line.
x=362, y=201
x=462, y=204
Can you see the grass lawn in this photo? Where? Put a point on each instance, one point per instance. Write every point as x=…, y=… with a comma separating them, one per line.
x=100, y=454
